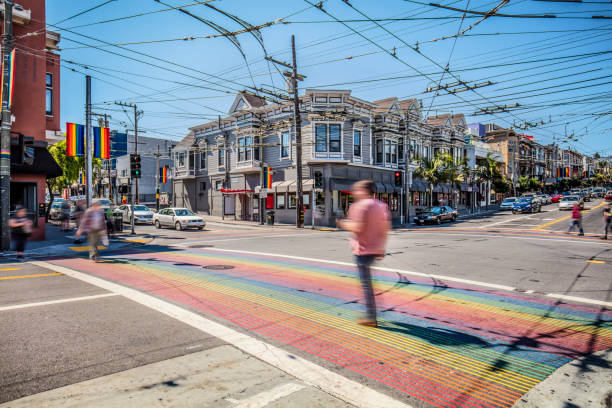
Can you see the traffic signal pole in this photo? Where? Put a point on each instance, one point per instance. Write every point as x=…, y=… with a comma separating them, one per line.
x=5, y=137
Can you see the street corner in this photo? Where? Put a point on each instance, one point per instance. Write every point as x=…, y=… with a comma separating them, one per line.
x=584, y=382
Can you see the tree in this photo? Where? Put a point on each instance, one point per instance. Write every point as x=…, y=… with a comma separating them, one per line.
x=432, y=171
x=454, y=173
x=524, y=183
x=534, y=183
x=488, y=172
x=71, y=167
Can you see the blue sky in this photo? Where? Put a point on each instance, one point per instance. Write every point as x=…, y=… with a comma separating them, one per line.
x=556, y=69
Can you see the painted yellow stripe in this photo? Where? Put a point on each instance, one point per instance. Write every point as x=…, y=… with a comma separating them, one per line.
x=483, y=307
x=419, y=348
x=30, y=276
x=84, y=248
x=10, y=269
x=596, y=262
x=567, y=217
x=138, y=241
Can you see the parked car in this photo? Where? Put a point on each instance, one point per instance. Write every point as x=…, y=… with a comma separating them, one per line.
x=599, y=192
x=534, y=196
x=527, y=204
x=507, y=203
x=436, y=215
x=608, y=196
x=555, y=198
x=142, y=214
x=55, y=212
x=179, y=218
x=568, y=202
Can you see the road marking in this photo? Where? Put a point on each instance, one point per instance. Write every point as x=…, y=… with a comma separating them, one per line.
x=54, y=302
x=10, y=269
x=138, y=241
x=586, y=240
x=565, y=218
x=84, y=248
x=595, y=261
x=29, y=276
x=580, y=299
x=187, y=244
x=505, y=221
x=262, y=399
x=380, y=268
x=305, y=370
x=529, y=291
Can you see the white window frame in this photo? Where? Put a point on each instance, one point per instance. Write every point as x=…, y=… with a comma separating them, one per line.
x=203, y=160
x=246, y=148
x=360, y=155
x=180, y=159
x=221, y=157
x=288, y=146
x=327, y=153
x=283, y=197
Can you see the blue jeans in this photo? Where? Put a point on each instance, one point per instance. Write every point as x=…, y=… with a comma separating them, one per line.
x=363, y=265
x=576, y=223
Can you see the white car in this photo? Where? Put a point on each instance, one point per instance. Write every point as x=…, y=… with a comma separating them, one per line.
x=567, y=202
x=507, y=203
x=142, y=214
x=178, y=218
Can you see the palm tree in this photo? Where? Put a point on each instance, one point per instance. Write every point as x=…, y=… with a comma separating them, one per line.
x=432, y=171
x=454, y=173
x=488, y=172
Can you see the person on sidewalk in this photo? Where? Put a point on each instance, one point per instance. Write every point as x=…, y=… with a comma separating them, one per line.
x=65, y=215
x=369, y=221
x=21, y=229
x=607, y=219
x=94, y=226
x=576, y=220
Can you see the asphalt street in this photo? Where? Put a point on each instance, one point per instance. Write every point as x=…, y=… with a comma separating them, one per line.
x=474, y=313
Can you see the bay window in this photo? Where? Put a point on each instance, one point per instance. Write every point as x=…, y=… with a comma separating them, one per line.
x=327, y=138
x=357, y=143
x=285, y=145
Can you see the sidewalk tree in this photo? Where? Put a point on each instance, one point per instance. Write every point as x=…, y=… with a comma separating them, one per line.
x=488, y=172
x=454, y=173
x=432, y=171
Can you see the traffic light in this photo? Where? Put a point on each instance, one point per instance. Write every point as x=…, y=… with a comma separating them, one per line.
x=318, y=179
x=135, y=169
x=398, y=179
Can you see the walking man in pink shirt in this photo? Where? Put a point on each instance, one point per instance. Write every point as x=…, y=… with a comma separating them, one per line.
x=369, y=221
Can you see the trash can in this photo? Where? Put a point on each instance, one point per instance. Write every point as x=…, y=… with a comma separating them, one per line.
x=117, y=222
x=270, y=217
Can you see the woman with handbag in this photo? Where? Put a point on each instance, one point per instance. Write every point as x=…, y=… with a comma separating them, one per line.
x=21, y=229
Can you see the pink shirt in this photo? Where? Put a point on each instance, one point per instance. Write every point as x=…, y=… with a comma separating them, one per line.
x=374, y=217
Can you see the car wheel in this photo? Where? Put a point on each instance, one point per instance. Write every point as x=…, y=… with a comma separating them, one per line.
x=438, y=221
x=178, y=226
x=454, y=218
x=157, y=224
x=200, y=228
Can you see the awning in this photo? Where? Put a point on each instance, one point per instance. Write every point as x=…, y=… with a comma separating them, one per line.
x=307, y=185
x=390, y=188
x=380, y=188
x=282, y=186
x=340, y=185
x=418, y=186
x=43, y=163
x=235, y=191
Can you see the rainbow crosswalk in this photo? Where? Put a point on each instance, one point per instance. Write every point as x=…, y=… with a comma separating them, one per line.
x=452, y=346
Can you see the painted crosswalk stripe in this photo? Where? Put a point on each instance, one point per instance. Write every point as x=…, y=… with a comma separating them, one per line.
x=55, y=302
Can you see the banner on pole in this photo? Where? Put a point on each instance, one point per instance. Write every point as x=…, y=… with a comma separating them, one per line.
x=101, y=143
x=75, y=139
x=267, y=177
x=163, y=174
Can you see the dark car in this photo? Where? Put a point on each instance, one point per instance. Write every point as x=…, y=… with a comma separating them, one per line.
x=527, y=204
x=436, y=215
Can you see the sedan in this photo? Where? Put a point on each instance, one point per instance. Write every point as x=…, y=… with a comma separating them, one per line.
x=527, y=204
x=142, y=214
x=178, y=218
x=568, y=202
x=436, y=215
x=608, y=196
x=507, y=203
x=555, y=198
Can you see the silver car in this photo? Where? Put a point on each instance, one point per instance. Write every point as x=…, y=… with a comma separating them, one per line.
x=179, y=218
x=567, y=202
x=142, y=214
x=507, y=203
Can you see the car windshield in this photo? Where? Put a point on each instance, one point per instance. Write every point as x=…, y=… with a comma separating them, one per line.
x=525, y=200
x=570, y=198
x=183, y=212
x=141, y=208
x=509, y=200
x=104, y=202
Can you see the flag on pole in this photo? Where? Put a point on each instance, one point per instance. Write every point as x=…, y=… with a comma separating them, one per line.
x=82, y=178
x=267, y=179
x=75, y=139
x=10, y=79
x=163, y=174
x=101, y=143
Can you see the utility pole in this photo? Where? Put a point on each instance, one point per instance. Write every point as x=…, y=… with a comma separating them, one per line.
x=158, y=175
x=88, y=144
x=5, y=136
x=134, y=194
x=297, y=123
x=108, y=161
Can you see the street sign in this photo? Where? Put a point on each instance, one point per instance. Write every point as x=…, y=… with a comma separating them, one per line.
x=263, y=192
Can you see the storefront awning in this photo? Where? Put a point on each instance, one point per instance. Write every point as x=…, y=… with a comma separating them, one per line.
x=42, y=163
x=340, y=185
x=380, y=188
x=307, y=185
x=418, y=186
x=390, y=188
x=282, y=186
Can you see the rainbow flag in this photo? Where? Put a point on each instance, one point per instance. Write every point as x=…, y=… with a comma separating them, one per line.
x=75, y=139
x=11, y=78
x=567, y=172
x=558, y=172
x=101, y=143
x=163, y=174
x=82, y=178
x=267, y=173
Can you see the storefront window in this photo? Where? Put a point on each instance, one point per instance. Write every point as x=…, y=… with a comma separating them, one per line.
x=280, y=201
x=306, y=200
x=292, y=201
x=394, y=204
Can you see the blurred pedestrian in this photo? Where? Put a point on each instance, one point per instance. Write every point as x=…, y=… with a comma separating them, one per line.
x=21, y=229
x=65, y=215
x=576, y=220
x=79, y=210
x=94, y=226
x=369, y=221
x=607, y=219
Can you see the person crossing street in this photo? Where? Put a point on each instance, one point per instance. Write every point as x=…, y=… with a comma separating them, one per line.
x=369, y=221
x=94, y=225
x=576, y=220
x=607, y=219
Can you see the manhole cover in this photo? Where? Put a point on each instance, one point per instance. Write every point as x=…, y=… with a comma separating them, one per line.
x=218, y=267
x=200, y=246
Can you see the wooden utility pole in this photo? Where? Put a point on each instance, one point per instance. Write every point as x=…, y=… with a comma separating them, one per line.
x=297, y=123
x=5, y=136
